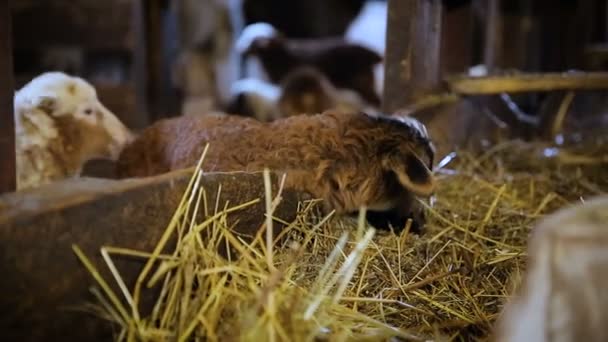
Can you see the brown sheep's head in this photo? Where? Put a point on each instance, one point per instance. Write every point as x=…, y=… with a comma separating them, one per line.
x=407, y=157
x=86, y=128
x=306, y=91
x=409, y=154
x=397, y=169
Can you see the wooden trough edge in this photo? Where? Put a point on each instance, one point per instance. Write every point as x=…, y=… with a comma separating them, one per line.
x=75, y=191
x=43, y=281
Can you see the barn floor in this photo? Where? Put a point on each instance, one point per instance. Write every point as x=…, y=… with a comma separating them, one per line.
x=450, y=282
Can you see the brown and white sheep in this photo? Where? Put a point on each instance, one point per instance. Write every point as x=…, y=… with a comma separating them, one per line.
x=303, y=91
x=255, y=98
x=347, y=159
x=60, y=124
x=307, y=91
x=347, y=65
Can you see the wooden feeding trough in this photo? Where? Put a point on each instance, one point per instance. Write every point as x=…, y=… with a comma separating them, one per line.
x=43, y=282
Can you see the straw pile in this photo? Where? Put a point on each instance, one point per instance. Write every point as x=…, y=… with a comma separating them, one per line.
x=335, y=279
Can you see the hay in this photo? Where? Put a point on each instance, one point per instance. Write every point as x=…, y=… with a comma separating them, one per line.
x=333, y=279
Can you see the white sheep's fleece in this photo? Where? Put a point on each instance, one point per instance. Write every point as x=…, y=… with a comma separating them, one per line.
x=349, y=100
x=35, y=129
x=369, y=29
x=253, y=85
x=262, y=96
x=252, y=32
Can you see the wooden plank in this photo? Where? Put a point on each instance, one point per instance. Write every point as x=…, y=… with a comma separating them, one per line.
x=412, y=64
x=7, y=123
x=520, y=83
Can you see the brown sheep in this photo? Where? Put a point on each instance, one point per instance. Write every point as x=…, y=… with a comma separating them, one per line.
x=347, y=159
x=307, y=91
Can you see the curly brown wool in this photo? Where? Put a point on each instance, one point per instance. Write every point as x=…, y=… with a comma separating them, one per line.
x=347, y=159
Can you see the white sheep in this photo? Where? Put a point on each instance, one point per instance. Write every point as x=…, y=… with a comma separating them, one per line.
x=60, y=124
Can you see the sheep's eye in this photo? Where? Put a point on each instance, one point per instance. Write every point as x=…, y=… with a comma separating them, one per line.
x=88, y=111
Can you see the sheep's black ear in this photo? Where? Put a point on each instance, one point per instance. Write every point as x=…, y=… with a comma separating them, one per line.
x=46, y=103
x=261, y=43
x=412, y=173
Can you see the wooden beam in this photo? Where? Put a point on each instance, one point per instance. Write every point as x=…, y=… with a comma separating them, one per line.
x=7, y=122
x=521, y=83
x=413, y=40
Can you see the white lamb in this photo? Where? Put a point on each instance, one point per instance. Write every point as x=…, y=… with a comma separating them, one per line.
x=60, y=124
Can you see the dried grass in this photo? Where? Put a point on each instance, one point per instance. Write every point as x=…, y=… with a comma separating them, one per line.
x=335, y=279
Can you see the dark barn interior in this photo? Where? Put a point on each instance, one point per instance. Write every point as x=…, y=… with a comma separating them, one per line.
x=512, y=97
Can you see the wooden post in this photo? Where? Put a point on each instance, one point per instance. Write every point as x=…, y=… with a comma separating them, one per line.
x=457, y=40
x=413, y=40
x=492, y=52
x=581, y=33
x=140, y=79
x=605, y=21
x=531, y=36
x=7, y=122
x=148, y=65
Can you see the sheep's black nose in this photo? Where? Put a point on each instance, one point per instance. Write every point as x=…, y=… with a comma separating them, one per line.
x=396, y=219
